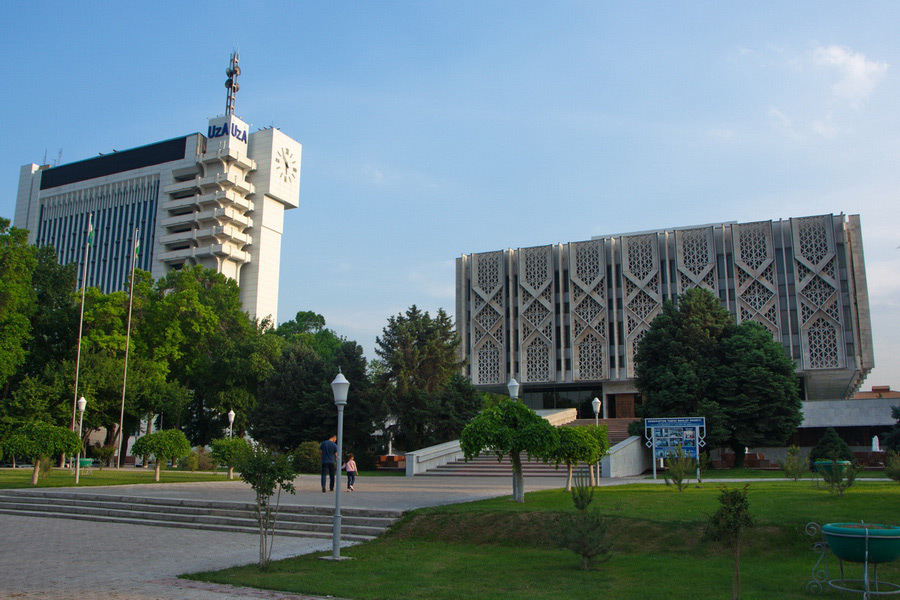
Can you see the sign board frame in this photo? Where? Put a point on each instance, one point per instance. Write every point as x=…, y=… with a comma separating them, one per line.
x=664, y=435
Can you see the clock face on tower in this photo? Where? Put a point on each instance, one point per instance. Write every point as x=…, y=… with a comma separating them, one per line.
x=286, y=168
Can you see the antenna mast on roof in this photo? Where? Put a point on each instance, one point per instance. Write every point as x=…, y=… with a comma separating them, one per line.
x=231, y=83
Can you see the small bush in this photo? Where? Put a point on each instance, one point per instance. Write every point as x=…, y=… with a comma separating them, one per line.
x=45, y=465
x=584, y=533
x=104, y=453
x=840, y=477
x=892, y=465
x=830, y=445
x=205, y=461
x=190, y=462
x=680, y=469
x=636, y=428
x=794, y=465
x=727, y=526
x=308, y=458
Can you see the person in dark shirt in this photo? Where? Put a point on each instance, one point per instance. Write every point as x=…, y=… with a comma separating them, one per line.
x=329, y=460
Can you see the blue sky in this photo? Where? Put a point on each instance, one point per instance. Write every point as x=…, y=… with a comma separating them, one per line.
x=433, y=129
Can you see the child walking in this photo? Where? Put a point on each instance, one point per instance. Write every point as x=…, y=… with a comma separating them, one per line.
x=350, y=467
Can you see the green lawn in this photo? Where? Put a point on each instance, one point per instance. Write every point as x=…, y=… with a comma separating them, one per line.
x=495, y=549
x=747, y=473
x=21, y=478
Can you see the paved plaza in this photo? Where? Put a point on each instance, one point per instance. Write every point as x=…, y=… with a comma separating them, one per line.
x=61, y=559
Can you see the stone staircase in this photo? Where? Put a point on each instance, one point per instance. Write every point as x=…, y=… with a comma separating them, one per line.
x=357, y=524
x=618, y=428
x=488, y=466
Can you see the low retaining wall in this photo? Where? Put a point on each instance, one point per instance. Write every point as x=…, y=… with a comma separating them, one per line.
x=432, y=457
x=627, y=458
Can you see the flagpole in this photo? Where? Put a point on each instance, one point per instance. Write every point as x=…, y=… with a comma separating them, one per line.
x=119, y=435
x=87, y=247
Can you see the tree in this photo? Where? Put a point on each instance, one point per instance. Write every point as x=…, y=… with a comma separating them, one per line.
x=305, y=321
x=166, y=445
x=230, y=452
x=509, y=428
x=267, y=471
x=830, y=447
x=727, y=525
x=693, y=361
x=17, y=299
x=758, y=389
x=39, y=440
x=578, y=445
x=418, y=378
x=892, y=439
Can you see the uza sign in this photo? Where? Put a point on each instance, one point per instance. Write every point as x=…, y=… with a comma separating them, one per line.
x=666, y=436
x=221, y=130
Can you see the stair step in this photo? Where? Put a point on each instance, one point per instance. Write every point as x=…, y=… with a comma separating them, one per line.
x=293, y=520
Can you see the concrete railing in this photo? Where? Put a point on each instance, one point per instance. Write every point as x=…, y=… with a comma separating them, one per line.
x=432, y=457
x=627, y=458
x=435, y=456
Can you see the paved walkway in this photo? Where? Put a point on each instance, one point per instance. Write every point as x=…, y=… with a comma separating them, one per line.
x=59, y=559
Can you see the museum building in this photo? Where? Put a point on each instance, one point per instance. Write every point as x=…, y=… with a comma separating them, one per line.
x=215, y=199
x=564, y=320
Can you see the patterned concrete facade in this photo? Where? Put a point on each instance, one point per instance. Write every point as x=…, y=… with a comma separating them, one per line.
x=571, y=315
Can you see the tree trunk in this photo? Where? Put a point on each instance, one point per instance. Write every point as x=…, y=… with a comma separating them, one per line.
x=230, y=472
x=36, y=471
x=740, y=452
x=736, y=578
x=569, y=477
x=149, y=430
x=156, y=471
x=518, y=478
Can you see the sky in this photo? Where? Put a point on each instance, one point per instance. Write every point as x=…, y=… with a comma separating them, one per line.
x=438, y=128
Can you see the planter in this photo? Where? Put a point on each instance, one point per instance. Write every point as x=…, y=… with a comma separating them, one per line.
x=850, y=541
x=825, y=467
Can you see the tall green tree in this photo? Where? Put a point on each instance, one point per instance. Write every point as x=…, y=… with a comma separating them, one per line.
x=416, y=379
x=694, y=361
x=17, y=298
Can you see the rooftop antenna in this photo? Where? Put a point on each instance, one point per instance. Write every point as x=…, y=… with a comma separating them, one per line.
x=231, y=83
x=58, y=158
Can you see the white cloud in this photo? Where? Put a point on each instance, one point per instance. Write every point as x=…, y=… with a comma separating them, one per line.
x=858, y=76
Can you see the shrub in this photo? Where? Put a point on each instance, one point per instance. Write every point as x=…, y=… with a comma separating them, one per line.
x=794, y=465
x=840, y=477
x=680, y=468
x=584, y=532
x=165, y=445
x=104, y=453
x=45, y=466
x=636, y=428
x=830, y=445
x=727, y=526
x=189, y=462
x=892, y=465
x=308, y=458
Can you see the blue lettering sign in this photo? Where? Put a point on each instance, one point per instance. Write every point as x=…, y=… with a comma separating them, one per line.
x=236, y=132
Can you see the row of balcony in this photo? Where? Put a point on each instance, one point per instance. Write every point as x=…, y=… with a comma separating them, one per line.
x=234, y=181
x=231, y=156
x=220, y=198
x=226, y=250
x=220, y=233
x=222, y=216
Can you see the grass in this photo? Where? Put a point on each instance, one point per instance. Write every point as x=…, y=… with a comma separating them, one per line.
x=21, y=477
x=495, y=549
x=747, y=473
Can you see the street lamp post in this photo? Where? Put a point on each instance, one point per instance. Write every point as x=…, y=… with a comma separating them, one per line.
x=230, y=423
x=82, y=403
x=340, y=386
x=513, y=387
x=595, y=404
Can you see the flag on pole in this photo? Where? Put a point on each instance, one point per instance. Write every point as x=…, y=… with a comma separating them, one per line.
x=90, y=239
x=137, y=248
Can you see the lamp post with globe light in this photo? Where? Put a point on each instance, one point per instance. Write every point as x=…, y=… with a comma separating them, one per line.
x=82, y=403
x=513, y=387
x=230, y=423
x=340, y=386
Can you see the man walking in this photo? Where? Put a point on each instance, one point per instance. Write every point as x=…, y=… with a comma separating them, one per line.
x=329, y=460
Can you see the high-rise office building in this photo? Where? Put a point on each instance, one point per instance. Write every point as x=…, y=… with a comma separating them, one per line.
x=216, y=199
